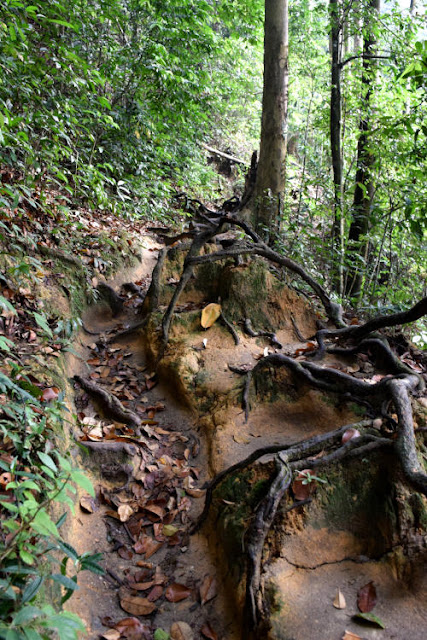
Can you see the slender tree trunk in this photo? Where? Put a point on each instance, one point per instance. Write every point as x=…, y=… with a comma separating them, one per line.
x=364, y=190
x=335, y=136
x=270, y=179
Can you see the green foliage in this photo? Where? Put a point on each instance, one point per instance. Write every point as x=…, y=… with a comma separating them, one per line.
x=34, y=477
x=108, y=102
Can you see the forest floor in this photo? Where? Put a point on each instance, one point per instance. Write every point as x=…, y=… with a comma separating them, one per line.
x=172, y=430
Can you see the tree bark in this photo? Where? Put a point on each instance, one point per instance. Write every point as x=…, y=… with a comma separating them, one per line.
x=364, y=191
x=270, y=178
x=335, y=137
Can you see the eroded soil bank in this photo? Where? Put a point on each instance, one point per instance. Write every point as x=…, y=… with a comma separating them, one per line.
x=361, y=525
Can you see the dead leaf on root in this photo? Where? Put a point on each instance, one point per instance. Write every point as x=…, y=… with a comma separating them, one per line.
x=301, y=487
x=181, y=631
x=177, y=592
x=350, y=434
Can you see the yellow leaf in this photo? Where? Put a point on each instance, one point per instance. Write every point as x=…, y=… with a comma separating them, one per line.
x=209, y=314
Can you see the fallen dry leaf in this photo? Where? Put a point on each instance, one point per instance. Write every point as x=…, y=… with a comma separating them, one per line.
x=348, y=635
x=5, y=478
x=125, y=553
x=367, y=597
x=125, y=511
x=51, y=393
x=196, y=493
x=208, y=589
x=210, y=314
x=339, y=601
x=155, y=593
x=88, y=504
x=177, y=592
x=141, y=586
x=301, y=488
x=111, y=634
x=350, y=434
x=136, y=605
x=181, y=631
x=208, y=632
x=133, y=629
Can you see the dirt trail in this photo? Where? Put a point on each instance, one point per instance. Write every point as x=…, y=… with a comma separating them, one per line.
x=156, y=483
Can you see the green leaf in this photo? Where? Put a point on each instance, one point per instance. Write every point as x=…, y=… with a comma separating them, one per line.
x=7, y=306
x=63, y=23
x=68, y=583
x=43, y=524
x=47, y=460
x=66, y=624
x=83, y=481
x=89, y=565
x=6, y=344
x=32, y=588
x=369, y=618
x=42, y=322
x=26, y=557
x=26, y=614
x=65, y=464
x=69, y=551
x=32, y=634
x=159, y=634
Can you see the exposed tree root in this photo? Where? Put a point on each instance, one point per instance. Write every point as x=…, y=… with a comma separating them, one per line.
x=112, y=298
x=247, y=325
x=299, y=450
x=257, y=533
x=108, y=403
x=151, y=300
x=231, y=329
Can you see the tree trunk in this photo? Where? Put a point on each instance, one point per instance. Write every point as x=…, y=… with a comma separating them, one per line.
x=364, y=190
x=270, y=178
x=335, y=136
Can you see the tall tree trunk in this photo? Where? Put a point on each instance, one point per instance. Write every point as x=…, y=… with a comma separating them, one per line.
x=364, y=189
x=335, y=136
x=270, y=178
